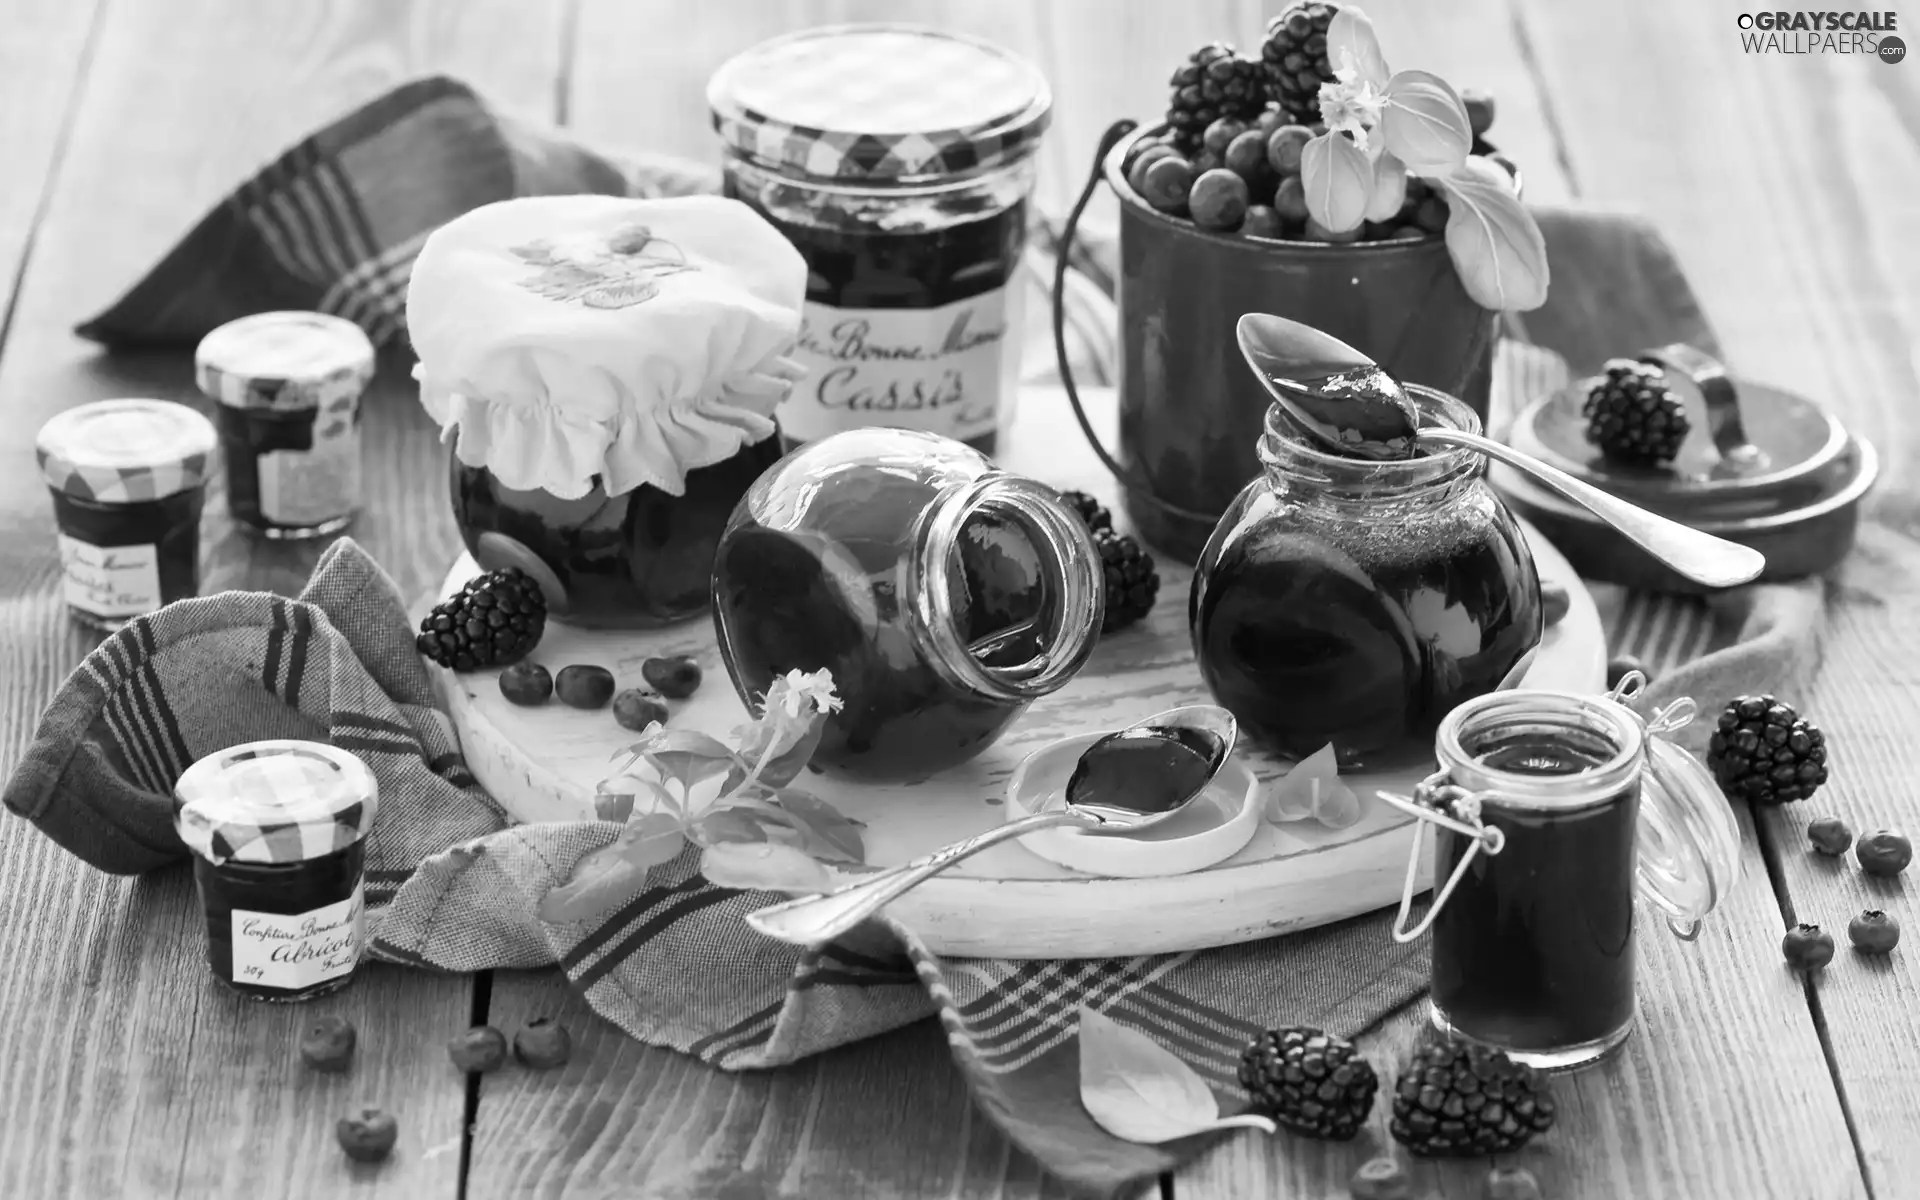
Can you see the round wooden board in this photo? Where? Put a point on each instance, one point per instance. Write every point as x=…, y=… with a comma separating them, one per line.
x=543, y=765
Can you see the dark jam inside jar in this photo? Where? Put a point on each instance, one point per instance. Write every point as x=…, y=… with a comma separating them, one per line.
x=640, y=558
x=171, y=525
x=248, y=433
x=887, y=255
x=796, y=600
x=327, y=946
x=1533, y=950
x=1361, y=631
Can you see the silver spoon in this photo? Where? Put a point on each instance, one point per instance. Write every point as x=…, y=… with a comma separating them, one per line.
x=1206, y=730
x=1348, y=405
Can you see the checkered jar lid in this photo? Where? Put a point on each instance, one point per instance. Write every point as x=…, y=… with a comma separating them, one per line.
x=884, y=103
x=122, y=451
x=275, y=802
x=286, y=361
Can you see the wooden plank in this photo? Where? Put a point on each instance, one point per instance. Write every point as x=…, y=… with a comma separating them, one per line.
x=1788, y=184
x=42, y=60
x=128, y=1071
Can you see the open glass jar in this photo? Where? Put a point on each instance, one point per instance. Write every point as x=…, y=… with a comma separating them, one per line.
x=1552, y=813
x=899, y=161
x=1356, y=602
x=943, y=595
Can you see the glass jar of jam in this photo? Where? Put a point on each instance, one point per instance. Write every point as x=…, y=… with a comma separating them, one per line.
x=288, y=386
x=943, y=595
x=1552, y=811
x=899, y=161
x=278, y=830
x=1356, y=602
x=128, y=479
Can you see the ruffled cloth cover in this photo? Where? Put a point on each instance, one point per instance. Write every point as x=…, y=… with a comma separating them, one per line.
x=567, y=337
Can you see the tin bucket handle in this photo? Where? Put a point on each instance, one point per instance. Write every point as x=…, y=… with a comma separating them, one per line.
x=1063, y=255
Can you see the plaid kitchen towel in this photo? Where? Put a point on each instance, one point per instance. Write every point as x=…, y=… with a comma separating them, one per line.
x=333, y=225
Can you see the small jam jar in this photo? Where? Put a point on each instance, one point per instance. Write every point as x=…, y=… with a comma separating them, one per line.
x=278, y=831
x=1357, y=603
x=944, y=595
x=899, y=160
x=1552, y=811
x=128, y=479
x=288, y=386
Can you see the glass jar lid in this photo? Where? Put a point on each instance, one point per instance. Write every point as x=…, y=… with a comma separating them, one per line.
x=282, y=801
x=285, y=361
x=881, y=103
x=124, y=451
x=1688, y=840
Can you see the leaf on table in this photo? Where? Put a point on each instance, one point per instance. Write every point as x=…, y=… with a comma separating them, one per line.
x=832, y=831
x=614, y=874
x=1139, y=1091
x=764, y=867
x=1424, y=124
x=1495, y=244
x=1313, y=790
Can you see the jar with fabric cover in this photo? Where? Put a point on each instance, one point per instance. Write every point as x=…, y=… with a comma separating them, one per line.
x=606, y=370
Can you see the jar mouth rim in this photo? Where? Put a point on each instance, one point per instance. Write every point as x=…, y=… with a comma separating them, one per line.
x=1437, y=409
x=1594, y=714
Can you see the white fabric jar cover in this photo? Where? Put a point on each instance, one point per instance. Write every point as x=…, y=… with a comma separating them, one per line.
x=564, y=337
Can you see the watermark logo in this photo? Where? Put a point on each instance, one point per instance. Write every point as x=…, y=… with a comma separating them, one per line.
x=1822, y=33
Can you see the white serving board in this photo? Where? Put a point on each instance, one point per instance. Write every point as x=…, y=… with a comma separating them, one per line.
x=543, y=765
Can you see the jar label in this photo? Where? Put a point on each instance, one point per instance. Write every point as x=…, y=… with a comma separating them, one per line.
x=110, y=581
x=941, y=370
x=308, y=487
x=297, y=950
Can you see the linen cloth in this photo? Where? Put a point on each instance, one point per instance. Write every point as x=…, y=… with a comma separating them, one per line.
x=334, y=225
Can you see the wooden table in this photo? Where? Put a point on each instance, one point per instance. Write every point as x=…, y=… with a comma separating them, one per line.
x=1790, y=185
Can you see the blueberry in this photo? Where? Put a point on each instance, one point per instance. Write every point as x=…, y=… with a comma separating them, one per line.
x=1261, y=221
x=367, y=1136
x=1284, y=147
x=1479, y=106
x=636, y=710
x=1883, y=852
x=479, y=1050
x=1409, y=233
x=1221, y=133
x=1166, y=183
x=1512, y=1183
x=1290, y=199
x=675, y=678
x=1144, y=148
x=1873, y=932
x=1137, y=169
x=1554, y=599
x=1431, y=215
x=1206, y=161
x=1380, y=1179
x=584, y=686
x=328, y=1043
x=541, y=1044
x=1807, y=947
x=1269, y=120
x=1219, y=200
x=526, y=684
x=1246, y=157
x=1829, y=835
x=1620, y=665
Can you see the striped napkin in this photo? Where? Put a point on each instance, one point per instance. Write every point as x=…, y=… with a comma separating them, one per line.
x=333, y=225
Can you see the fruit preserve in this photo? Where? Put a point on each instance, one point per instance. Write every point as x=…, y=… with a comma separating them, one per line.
x=1358, y=602
x=278, y=833
x=943, y=595
x=1554, y=811
x=898, y=160
x=128, y=481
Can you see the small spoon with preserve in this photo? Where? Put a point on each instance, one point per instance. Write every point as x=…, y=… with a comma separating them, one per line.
x=1126, y=781
x=1347, y=404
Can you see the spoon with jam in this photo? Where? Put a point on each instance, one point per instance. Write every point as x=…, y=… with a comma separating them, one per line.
x=1124, y=782
x=1344, y=403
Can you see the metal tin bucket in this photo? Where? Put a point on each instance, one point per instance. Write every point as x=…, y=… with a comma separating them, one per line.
x=1190, y=411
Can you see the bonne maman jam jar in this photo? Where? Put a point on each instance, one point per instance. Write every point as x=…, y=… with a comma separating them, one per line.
x=898, y=160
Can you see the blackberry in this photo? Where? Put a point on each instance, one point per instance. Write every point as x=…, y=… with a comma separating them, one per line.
x=1309, y=1081
x=1214, y=82
x=1294, y=58
x=1460, y=1100
x=1765, y=752
x=1632, y=416
x=1132, y=582
x=1091, y=511
x=495, y=620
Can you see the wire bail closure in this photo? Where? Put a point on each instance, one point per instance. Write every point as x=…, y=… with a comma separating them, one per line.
x=1436, y=801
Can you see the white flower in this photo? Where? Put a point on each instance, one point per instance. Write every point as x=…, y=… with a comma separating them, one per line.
x=1351, y=106
x=806, y=692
